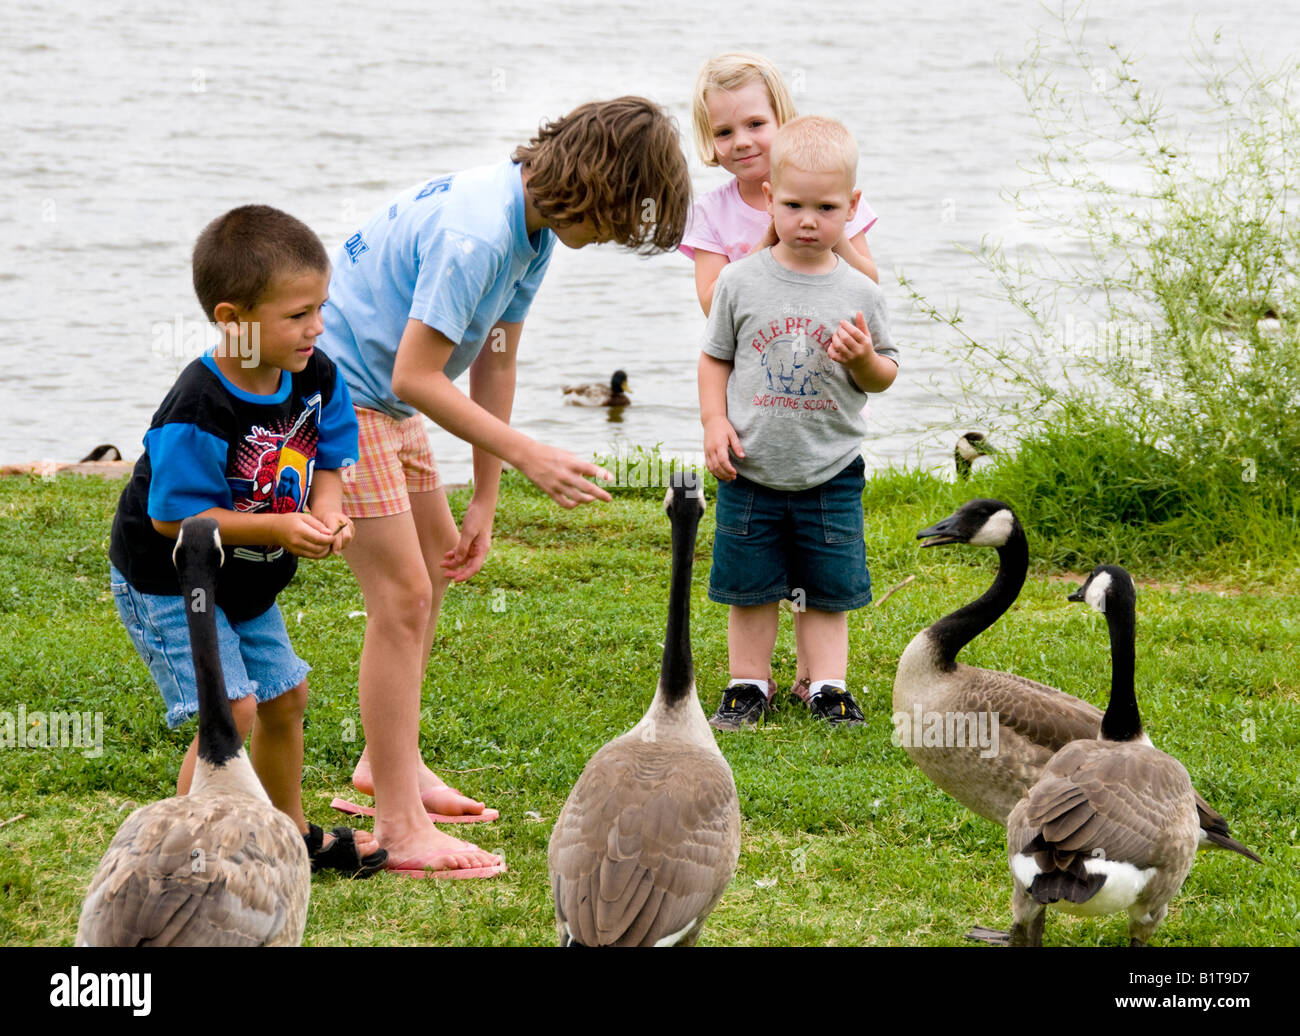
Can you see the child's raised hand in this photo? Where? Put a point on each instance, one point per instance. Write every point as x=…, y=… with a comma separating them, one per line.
x=562, y=476
x=720, y=441
x=850, y=342
x=304, y=535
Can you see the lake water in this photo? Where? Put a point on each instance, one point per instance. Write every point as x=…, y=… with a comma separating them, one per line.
x=127, y=126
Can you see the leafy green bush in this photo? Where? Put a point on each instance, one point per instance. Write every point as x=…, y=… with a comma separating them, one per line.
x=1152, y=375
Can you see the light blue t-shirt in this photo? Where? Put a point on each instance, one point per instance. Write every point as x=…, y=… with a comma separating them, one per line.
x=453, y=253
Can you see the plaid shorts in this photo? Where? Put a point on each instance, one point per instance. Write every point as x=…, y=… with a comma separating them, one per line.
x=396, y=459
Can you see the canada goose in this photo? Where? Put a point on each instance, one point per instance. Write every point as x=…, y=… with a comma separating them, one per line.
x=1112, y=824
x=220, y=866
x=970, y=448
x=102, y=452
x=612, y=394
x=935, y=697
x=649, y=837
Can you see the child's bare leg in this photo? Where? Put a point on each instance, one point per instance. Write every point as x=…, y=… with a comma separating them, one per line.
x=276, y=751
x=276, y=755
x=437, y=532
x=751, y=636
x=386, y=558
x=244, y=711
x=826, y=635
x=801, y=647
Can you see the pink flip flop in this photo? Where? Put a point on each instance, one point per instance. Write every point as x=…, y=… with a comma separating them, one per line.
x=353, y=809
x=409, y=869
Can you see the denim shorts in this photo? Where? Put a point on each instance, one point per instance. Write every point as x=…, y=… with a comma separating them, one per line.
x=805, y=545
x=256, y=656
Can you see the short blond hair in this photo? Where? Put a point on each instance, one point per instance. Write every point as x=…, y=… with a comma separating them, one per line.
x=731, y=72
x=815, y=144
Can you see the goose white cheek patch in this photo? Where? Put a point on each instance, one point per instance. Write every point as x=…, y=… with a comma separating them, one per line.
x=995, y=532
x=1095, y=595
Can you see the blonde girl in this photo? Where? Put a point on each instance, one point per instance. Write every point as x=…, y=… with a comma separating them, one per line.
x=740, y=101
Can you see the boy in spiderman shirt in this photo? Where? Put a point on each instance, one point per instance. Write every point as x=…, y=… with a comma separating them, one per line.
x=255, y=435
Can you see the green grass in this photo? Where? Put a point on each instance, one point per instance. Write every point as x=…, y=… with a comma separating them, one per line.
x=554, y=648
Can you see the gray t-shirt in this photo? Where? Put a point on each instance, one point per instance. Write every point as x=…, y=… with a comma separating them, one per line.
x=797, y=412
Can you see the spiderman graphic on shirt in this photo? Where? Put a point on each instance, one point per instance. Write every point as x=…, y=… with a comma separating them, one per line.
x=273, y=467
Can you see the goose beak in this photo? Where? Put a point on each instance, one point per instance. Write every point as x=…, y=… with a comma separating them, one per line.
x=1078, y=594
x=944, y=532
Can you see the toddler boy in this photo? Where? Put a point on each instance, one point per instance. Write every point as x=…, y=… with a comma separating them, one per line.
x=796, y=339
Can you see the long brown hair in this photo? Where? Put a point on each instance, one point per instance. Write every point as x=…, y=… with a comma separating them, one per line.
x=618, y=162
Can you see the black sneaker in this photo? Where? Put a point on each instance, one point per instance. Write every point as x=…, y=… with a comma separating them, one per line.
x=742, y=706
x=837, y=708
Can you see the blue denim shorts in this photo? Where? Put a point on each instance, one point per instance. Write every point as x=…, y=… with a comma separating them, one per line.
x=806, y=546
x=256, y=656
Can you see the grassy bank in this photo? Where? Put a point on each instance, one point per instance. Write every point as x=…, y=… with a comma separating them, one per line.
x=554, y=648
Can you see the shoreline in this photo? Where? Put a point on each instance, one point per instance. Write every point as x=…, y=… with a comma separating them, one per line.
x=47, y=469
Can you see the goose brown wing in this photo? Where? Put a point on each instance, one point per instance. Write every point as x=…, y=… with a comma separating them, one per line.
x=1040, y=714
x=194, y=872
x=645, y=845
x=1099, y=798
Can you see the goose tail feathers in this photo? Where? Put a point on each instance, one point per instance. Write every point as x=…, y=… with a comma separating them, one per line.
x=1214, y=831
x=1062, y=875
x=1224, y=841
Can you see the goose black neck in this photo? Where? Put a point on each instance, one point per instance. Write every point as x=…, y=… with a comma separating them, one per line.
x=953, y=632
x=1121, y=721
x=677, y=674
x=218, y=737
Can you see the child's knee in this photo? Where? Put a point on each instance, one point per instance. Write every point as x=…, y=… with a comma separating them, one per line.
x=286, y=709
x=407, y=604
x=244, y=711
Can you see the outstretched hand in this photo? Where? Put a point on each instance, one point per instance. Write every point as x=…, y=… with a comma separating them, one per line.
x=563, y=477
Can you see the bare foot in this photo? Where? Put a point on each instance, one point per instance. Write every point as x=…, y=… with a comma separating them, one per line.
x=437, y=796
x=431, y=848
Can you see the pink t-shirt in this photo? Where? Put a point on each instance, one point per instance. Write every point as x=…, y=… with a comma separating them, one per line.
x=721, y=222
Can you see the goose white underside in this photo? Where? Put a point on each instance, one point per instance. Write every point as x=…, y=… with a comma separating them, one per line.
x=676, y=937
x=1124, y=884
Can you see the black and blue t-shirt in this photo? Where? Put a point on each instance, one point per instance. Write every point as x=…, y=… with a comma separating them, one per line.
x=211, y=444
